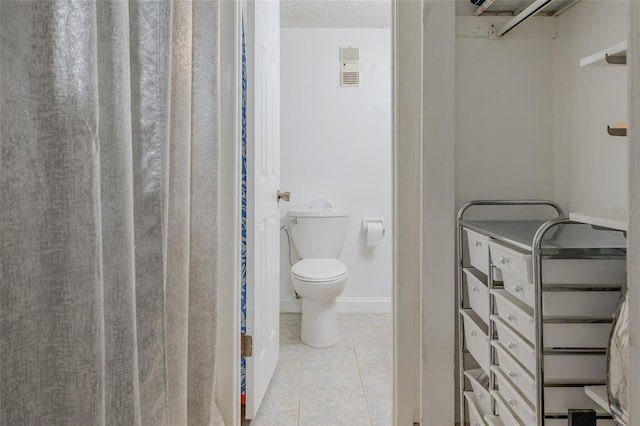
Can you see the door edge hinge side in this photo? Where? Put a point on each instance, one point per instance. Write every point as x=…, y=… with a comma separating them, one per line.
x=246, y=345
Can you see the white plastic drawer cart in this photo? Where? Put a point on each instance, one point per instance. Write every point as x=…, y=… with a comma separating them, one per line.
x=535, y=302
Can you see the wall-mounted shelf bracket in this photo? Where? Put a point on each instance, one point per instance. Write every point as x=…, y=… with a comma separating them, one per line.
x=617, y=129
x=616, y=59
x=535, y=7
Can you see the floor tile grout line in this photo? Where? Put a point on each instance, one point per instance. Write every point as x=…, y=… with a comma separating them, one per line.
x=360, y=376
x=300, y=387
x=354, y=332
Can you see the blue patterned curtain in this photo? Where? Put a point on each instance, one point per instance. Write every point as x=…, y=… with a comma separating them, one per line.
x=243, y=254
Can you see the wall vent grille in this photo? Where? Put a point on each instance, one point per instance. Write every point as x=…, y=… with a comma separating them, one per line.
x=349, y=66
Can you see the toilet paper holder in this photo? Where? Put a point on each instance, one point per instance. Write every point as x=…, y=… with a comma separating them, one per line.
x=366, y=221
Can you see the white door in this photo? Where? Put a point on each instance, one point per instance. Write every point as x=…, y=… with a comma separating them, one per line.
x=263, y=180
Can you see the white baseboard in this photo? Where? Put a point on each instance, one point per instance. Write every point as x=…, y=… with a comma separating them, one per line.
x=364, y=306
x=290, y=306
x=344, y=305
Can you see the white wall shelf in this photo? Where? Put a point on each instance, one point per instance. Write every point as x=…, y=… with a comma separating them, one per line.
x=614, y=218
x=614, y=55
x=599, y=395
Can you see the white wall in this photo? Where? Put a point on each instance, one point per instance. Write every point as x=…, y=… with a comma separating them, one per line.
x=504, y=118
x=336, y=143
x=590, y=166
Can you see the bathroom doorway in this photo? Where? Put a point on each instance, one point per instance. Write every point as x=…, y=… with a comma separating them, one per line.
x=409, y=212
x=336, y=150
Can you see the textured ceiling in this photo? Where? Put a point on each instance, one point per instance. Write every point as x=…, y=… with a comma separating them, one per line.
x=335, y=13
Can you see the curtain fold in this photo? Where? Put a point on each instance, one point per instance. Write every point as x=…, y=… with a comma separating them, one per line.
x=204, y=214
x=122, y=391
x=109, y=138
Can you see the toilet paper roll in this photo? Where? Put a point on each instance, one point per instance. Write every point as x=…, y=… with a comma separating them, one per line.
x=375, y=232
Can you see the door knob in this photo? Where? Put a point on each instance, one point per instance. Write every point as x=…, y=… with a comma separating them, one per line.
x=284, y=196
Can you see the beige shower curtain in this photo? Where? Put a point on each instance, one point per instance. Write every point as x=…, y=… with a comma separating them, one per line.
x=108, y=212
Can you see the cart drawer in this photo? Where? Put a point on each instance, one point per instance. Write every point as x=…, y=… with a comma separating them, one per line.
x=575, y=367
x=515, y=313
x=478, y=378
x=516, y=372
x=478, y=293
x=584, y=271
x=600, y=304
x=507, y=416
x=511, y=261
x=559, y=400
x=519, y=288
x=518, y=403
x=517, y=346
x=493, y=421
x=576, y=335
x=478, y=250
x=565, y=422
x=476, y=338
x=475, y=419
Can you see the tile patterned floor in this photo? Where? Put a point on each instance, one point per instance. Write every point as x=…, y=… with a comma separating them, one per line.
x=347, y=384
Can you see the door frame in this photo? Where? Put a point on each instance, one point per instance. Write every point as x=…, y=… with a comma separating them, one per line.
x=228, y=262
x=407, y=207
x=407, y=102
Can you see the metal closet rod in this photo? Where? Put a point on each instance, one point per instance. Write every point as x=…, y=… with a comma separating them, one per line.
x=531, y=10
x=524, y=14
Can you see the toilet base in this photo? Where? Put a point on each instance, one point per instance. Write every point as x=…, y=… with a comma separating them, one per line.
x=319, y=323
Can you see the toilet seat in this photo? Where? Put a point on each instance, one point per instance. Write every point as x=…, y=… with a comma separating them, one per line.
x=319, y=270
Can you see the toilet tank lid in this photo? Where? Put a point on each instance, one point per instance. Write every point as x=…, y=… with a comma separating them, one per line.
x=309, y=212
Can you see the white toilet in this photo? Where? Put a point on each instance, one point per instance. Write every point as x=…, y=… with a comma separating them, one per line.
x=319, y=278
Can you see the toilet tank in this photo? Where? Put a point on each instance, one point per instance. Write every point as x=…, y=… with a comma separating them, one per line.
x=318, y=233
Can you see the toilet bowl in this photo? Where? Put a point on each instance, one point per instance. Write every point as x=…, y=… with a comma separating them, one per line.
x=319, y=282
x=319, y=278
